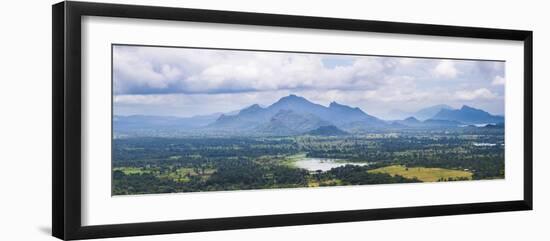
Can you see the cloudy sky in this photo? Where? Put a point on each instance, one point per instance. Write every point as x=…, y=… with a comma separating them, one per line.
x=187, y=82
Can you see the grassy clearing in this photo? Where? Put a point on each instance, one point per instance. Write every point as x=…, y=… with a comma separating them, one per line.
x=131, y=170
x=423, y=173
x=317, y=183
x=291, y=159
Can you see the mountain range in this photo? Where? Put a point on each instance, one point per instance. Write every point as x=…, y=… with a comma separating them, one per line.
x=468, y=115
x=422, y=114
x=293, y=115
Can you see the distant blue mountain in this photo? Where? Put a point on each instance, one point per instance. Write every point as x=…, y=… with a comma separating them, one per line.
x=468, y=115
x=246, y=119
x=429, y=112
x=409, y=122
x=329, y=130
x=421, y=114
x=289, y=122
x=342, y=114
x=294, y=114
x=412, y=122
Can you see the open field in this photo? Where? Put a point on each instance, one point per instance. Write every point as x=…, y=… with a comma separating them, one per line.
x=133, y=170
x=424, y=174
x=194, y=164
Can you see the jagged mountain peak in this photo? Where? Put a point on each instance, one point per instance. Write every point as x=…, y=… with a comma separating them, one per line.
x=465, y=107
x=292, y=98
x=431, y=111
x=251, y=109
x=335, y=104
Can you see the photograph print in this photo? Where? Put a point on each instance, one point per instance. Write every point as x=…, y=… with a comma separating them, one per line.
x=199, y=119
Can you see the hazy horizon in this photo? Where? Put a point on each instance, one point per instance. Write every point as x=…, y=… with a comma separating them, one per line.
x=188, y=82
x=265, y=106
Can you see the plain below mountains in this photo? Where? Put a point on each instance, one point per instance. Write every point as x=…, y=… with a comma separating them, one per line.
x=294, y=115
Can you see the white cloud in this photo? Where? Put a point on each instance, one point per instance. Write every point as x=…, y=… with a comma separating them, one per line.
x=469, y=95
x=155, y=70
x=407, y=61
x=183, y=81
x=445, y=69
x=498, y=80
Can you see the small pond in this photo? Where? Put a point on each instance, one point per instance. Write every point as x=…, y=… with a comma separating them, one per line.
x=324, y=164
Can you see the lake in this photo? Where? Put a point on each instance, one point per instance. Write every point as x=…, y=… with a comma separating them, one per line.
x=324, y=164
x=484, y=144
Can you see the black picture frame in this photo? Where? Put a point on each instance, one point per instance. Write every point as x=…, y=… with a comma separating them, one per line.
x=66, y=157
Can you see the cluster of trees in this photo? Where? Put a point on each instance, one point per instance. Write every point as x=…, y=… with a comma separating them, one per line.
x=130, y=150
x=141, y=184
x=450, y=179
x=358, y=175
x=243, y=175
x=230, y=175
x=238, y=163
x=442, y=150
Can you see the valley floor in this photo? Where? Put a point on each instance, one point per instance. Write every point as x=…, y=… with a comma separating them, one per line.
x=144, y=165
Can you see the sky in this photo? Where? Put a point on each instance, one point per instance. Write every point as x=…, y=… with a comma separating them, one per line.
x=186, y=82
